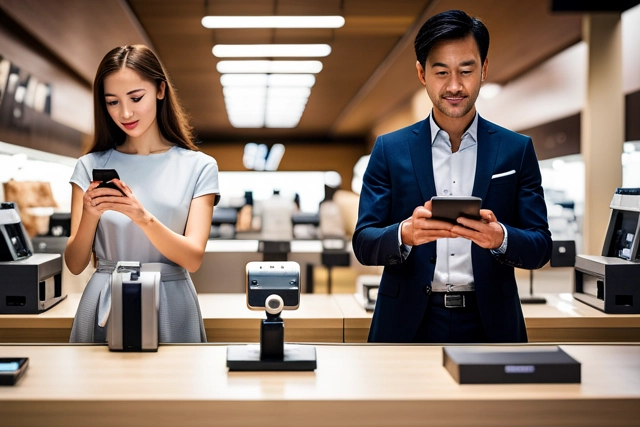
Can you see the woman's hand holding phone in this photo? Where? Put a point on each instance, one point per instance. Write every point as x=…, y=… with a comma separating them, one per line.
x=126, y=203
x=106, y=177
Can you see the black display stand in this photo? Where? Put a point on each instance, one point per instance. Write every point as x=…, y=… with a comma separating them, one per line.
x=272, y=354
x=563, y=254
x=531, y=299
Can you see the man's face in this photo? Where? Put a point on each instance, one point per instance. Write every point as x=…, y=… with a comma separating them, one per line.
x=452, y=76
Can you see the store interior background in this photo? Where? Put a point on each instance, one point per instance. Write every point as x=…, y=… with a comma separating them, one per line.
x=545, y=102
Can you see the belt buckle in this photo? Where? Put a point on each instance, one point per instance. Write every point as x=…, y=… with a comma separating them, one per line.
x=454, y=300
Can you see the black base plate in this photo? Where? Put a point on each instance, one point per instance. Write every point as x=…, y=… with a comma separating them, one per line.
x=532, y=300
x=247, y=358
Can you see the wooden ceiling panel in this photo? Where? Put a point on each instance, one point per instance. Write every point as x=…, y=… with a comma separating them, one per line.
x=369, y=73
x=372, y=29
x=80, y=33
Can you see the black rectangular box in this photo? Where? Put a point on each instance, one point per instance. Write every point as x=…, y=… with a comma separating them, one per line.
x=510, y=365
x=31, y=285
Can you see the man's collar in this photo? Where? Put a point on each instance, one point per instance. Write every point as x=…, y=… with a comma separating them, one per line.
x=472, y=130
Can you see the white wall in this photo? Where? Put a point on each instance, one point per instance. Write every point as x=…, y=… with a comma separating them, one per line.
x=308, y=185
x=631, y=50
x=554, y=89
x=25, y=164
x=557, y=87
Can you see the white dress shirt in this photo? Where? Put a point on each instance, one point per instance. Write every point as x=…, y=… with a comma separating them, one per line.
x=454, y=175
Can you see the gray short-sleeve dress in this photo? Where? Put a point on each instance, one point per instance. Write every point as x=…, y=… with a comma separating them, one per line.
x=165, y=184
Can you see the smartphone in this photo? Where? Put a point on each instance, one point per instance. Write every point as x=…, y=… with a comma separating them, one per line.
x=12, y=368
x=449, y=208
x=105, y=176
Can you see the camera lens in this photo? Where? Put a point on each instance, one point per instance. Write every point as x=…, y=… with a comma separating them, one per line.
x=274, y=304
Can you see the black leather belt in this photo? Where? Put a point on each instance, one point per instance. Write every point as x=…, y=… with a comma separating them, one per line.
x=453, y=299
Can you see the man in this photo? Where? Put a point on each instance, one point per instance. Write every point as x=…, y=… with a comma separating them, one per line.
x=446, y=282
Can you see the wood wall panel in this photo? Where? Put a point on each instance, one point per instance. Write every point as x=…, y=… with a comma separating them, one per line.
x=71, y=104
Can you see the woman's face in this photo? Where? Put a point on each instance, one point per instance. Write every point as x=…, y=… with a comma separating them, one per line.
x=131, y=101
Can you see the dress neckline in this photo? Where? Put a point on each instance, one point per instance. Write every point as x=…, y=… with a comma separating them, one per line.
x=147, y=155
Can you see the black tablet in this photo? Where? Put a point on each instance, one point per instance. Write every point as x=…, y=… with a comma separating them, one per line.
x=449, y=208
x=12, y=368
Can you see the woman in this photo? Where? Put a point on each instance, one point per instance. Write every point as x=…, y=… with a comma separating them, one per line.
x=160, y=212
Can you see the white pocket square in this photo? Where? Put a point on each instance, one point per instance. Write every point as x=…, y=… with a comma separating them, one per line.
x=500, y=175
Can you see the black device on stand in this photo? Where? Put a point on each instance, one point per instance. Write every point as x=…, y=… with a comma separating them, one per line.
x=563, y=254
x=610, y=282
x=272, y=286
x=14, y=240
x=30, y=283
x=532, y=299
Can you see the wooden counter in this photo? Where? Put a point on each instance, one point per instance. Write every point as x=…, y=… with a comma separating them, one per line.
x=353, y=385
x=565, y=319
x=227, y=319
x=335, y=318
x=52, y=326
x=561, y=319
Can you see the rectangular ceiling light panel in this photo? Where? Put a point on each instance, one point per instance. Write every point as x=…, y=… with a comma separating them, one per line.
x=272, y=21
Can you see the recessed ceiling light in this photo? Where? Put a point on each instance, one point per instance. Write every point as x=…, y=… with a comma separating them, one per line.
x=272, y=21
x=255, y=107
x=270, y=50
x=279, y=80
x=268, y=67
x=229, y=80
x=291, y=80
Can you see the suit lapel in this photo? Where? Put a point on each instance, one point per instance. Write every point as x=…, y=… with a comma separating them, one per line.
x=420, y=147
x=488, y=147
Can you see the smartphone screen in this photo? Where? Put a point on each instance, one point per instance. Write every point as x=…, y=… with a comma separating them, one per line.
x=449, y=208
x=12, y=368
x=9, y=366
x=105, y=176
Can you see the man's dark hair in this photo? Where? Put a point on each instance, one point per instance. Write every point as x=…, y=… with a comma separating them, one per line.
x=450, y=25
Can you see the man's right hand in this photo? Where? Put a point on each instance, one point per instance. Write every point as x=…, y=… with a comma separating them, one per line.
x=420, y=228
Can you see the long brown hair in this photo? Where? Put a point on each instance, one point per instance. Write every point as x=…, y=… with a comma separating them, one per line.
x=171, y=117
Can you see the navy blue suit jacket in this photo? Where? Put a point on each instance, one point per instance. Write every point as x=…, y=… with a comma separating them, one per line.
x=399, y=178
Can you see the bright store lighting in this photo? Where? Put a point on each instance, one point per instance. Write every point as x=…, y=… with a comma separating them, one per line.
x=269, y=67
x=289, y=92
x=286, y=106
x=271, y=80
x=281, y=123
x=234, y=80
x=240, y=92
x=272, y=21
x=291, y=80
x=246, y=122
x=270, y=50
x=490, y=90
x=274, y=107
